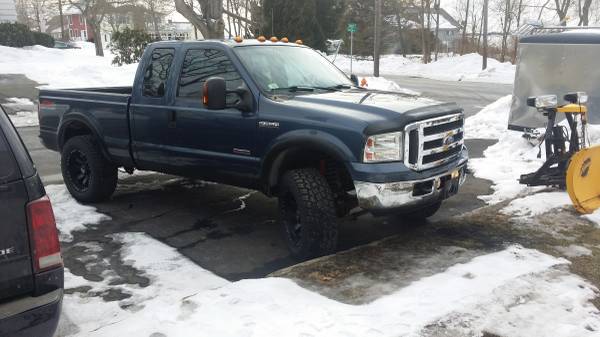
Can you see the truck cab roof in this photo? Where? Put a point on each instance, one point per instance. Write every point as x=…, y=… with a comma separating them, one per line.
x=226, y=42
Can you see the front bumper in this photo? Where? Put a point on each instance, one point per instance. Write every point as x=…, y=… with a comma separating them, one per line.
x=413, y=194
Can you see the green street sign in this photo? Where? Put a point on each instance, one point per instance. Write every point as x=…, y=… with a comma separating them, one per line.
x=352, y=28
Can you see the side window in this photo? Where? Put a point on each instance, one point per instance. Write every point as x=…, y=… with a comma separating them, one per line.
x=201, y=64
x=8, y=166
x=157, y=72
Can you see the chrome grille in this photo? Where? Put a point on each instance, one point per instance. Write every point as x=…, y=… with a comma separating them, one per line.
x=433, y=142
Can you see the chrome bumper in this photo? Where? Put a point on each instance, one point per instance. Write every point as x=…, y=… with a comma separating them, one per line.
x=405, y=194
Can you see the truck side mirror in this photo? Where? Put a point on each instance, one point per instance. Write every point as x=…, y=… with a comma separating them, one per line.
x=214, y=93
x=354, y=79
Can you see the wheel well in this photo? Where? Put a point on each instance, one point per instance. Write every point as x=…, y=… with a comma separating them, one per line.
x=334, y=170
x=74, y=129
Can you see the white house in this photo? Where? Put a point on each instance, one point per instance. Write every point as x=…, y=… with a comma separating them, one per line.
x=7, y=11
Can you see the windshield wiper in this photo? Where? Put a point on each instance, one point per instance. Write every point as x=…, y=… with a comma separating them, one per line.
x=295, y=88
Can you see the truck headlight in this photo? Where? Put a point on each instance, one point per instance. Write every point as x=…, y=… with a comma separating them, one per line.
x=543, y=101
x=384, y=147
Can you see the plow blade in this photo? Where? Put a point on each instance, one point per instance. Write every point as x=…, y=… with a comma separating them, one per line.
x=583, y=180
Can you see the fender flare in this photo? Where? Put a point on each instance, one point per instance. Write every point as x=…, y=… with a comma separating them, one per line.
x=76, y=117
x=305, y=138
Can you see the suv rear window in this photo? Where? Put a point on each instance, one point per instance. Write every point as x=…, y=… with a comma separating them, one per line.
x=8, y=166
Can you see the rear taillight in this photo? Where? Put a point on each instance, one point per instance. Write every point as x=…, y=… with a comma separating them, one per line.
x=44, y=235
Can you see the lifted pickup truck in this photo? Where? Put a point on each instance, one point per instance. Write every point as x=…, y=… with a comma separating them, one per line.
x=272, y=116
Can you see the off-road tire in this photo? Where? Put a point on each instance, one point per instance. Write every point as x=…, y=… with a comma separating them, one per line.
x=423, y=213
x=102, y=179
x=306, y=197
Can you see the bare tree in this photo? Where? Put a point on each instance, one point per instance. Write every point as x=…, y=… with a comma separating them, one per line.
x=583, y=7
x=157, y=8
x=562, y=9
x=485, y=33
x=209, y=19
x=94, y=12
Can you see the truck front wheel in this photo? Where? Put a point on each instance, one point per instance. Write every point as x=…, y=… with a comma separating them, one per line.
x=307, y=212
x=89, y=177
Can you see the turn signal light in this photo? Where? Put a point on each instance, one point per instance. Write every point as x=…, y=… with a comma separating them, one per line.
x=238, y=39
x=261, y=39
x=274, y=39
x=285, y=40
x=299, y=42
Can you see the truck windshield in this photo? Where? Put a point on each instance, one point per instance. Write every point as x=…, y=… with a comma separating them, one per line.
x=281, y=68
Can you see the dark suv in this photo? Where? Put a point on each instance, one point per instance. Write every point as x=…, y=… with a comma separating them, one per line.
x=31, y=269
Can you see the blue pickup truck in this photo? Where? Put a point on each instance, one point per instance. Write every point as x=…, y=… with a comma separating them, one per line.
x=277, y=117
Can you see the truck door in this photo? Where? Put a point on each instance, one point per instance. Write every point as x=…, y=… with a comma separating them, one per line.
x=150, y=110
x=213, y=144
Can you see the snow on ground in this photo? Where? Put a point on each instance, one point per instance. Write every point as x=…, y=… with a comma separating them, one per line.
x=594, y=217
x=574, y=251
x=457, y=68
x=381, y=83
x=21, y=111
x=70, y=215
x=536, y=204
x=65, y=68
x=514, y=292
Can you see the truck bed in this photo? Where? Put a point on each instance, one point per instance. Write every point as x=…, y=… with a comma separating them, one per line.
x=103, y=110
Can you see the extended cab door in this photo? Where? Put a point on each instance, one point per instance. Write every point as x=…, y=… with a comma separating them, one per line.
x=150, y=109
x=213, y=144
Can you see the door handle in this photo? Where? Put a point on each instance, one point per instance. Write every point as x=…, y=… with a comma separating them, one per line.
x=172, y=119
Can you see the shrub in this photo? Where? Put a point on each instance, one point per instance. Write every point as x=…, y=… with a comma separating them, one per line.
x=43, y=39
x=128, y=45
x=15, y=35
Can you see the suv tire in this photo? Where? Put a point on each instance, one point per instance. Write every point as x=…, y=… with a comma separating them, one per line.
x=89, y=177
x=307, y=212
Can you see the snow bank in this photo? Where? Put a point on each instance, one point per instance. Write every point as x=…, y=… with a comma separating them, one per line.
x=64, y=68
x=491, y=122
x=381, y=83
x=21, y=111
x=457, y=68
x=70, y=215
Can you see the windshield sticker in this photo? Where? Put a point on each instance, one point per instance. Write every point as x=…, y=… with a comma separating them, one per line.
x=273, y=86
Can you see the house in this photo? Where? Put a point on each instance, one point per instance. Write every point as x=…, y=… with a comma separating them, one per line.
x=75, y=25
x=7, y=11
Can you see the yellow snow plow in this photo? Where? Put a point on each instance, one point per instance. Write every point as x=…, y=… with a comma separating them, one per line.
x=577, y=167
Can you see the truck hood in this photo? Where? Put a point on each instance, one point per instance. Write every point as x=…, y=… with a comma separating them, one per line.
x=378, y=110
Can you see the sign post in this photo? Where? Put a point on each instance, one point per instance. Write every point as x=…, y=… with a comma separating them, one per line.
x=352, y=28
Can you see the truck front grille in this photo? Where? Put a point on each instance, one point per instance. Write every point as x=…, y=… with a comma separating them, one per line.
x=433, y=142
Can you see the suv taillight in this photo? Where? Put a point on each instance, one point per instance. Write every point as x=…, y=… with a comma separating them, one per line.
x=44, y=235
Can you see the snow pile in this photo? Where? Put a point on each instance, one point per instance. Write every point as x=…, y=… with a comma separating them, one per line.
x=64, y=68
x=381, y=83
x=491, y=122
x=536, y=204
x=21, y=111
x=458, y=68
x=70, y=215
x=594, y=217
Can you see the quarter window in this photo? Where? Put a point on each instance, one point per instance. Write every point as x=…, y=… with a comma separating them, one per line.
x=157, y=72
x=201, y=64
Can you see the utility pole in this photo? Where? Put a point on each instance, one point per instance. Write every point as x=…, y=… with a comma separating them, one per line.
x=485, y=34
x=377, y=44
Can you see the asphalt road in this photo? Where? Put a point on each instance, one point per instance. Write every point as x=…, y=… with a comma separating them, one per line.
x=231, y=231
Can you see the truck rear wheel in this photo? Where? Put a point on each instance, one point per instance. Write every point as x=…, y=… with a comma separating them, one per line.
x=307, y=213
x=89, y=177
